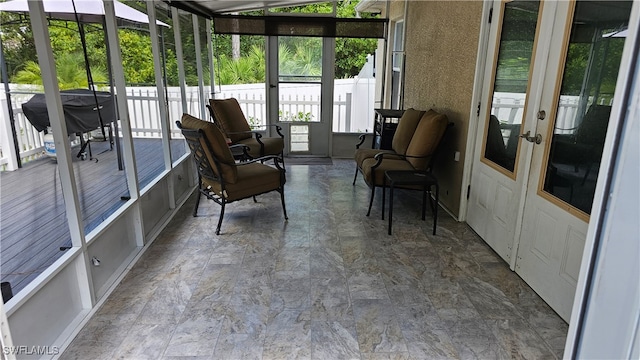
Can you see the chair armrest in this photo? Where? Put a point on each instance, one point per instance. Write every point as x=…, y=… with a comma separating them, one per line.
x=245, y=150
x=380, y=156
x=278, y=128
x=361, y=138
x=277, y=161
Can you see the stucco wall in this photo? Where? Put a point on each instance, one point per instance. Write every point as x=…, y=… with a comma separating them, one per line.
x=442, y=44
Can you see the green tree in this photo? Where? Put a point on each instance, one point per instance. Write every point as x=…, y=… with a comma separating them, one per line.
x=69, y=68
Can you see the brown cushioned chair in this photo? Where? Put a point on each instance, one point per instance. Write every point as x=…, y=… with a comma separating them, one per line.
x=415, y=142
x=220, y=178
x=228, y=115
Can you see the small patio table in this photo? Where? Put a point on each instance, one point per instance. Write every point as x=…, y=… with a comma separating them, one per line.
x=412, y=180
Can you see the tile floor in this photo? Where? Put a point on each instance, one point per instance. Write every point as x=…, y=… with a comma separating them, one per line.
x=327, y=284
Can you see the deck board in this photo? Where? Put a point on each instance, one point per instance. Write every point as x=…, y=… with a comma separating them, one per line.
x=33, y=223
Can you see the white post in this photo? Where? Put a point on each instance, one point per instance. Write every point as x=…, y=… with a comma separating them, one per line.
x=175, y=16
x=5, y=334
x=212, y=73
x=162, y=100
x=6, y=135
x=196, y=40
x=123, y=113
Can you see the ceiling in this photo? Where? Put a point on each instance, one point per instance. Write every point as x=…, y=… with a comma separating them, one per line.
x=208, y=8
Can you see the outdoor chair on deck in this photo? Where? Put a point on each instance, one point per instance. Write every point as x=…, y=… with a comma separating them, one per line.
x=416, y=139
x=229, y=117
x=220, y=178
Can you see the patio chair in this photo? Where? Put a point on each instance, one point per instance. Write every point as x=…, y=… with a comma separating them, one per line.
x=229, y=117
x=220, y=178
x=414, y=144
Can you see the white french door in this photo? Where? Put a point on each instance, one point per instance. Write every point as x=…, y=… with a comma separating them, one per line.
x=300, y=97
x=532, y=205
x=495, y=196
x=578, y=87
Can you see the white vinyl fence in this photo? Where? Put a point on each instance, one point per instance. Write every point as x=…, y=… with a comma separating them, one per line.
x=298, y=102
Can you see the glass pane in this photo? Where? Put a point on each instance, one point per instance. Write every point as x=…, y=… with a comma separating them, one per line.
x=299, y=59
x=240, y=73
x=299, y=73
x=511, y=82
x=354, y=85
x=144, y=109
x=311, y=9
x=299, y=102
x=33, y=219
x=584, y=105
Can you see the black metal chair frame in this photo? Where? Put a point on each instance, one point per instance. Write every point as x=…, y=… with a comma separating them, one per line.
x=380, y=156
x=256, y=134
x=194, y=139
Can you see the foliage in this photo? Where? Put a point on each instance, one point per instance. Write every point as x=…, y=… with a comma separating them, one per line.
x=249, y=69
x=70, y=70
x=300, y=56
x=298, y=117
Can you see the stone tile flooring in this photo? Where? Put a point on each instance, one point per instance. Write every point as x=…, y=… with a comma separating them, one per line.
x=329, y=283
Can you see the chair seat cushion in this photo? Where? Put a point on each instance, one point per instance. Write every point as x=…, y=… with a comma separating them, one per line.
x=385, y=165
x=272, y=146
x=362, y=154
x=254, y=178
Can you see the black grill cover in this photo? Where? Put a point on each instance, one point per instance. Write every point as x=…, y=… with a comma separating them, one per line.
x=79, y=106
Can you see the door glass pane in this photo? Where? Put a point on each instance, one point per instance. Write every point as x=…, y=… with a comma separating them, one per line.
x=511, y=82
x=397, y=60
x=584, y=105
x=299, y=76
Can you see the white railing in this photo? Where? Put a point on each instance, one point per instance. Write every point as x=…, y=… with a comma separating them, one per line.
x=296, y=102
x=299, y=102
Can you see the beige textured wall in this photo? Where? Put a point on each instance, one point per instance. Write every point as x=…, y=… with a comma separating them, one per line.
x=442, y=44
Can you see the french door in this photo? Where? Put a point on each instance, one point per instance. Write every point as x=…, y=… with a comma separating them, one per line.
x=546, y=190
x=301, y=91
x=495, y=196
x=578, y=87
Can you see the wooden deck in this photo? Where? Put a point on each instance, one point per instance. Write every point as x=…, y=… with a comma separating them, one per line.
x=33, y=224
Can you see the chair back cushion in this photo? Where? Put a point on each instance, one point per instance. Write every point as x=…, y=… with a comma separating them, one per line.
x=593, y=128
x=229, y=116
x=494, y=149
x=426, y=138
x=406, y=127
x=219, y=147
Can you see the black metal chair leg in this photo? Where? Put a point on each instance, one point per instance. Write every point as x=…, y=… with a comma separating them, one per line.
x=384, y=190
x=390, y=207
x=355, y=176
x=284, y=208
x=221, y=216
x=424, y=202
x=255, y=200
x=435, y=209
x=373, y=192
x=195, y=209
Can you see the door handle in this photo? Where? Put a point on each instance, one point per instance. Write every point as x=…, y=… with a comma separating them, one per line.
x=532, y=139
x=272, y=86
